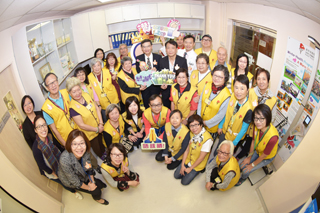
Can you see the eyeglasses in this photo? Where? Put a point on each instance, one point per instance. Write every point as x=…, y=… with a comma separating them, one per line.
x=41, y=126
x=52, y=83
x=117, y=155
x=256, y=119
x=218, y=77
x=76, y=145
x=194, y=125
x=156, y=106
x=206, y=40
x=223, y=153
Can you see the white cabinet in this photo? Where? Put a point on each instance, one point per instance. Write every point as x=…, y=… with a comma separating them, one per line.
x=182, y=10
x=99, y=30
x=165, y=10
x=197, y=11
x=114, y=15
x=148, y=11
x=130, y=13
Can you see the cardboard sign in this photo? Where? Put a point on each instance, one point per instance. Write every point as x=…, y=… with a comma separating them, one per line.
x=144, y=78
x=163, y=77
x=153, y=142
x=167, y=32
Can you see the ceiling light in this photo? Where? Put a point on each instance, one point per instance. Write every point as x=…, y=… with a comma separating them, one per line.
x=38, y=26
x=104, y=1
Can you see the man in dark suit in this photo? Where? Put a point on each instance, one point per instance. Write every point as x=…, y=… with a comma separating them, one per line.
x=152, y=61
x=171, y=62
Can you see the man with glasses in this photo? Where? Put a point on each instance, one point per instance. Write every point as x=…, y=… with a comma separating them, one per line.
x=156, y=116
x=206, y=48
x=152, y=61
x=56, y=109
x=223, y=171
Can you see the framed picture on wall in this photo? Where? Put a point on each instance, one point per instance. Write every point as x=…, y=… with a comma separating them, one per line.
x=44, y=70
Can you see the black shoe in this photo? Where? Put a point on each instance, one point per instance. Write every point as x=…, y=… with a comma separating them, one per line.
x=105, y=202
x=98, y=169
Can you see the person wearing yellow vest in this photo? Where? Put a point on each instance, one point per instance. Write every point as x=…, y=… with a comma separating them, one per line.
x=261, y=94
x=206, y=48
x=116, y=169
x=222, y=55
x=214, y=100
x=156, y=116
x=86, y=87
x=133, y=117
x=242, y=68
x=102, y=84
x=86, y=115
x=183, y=95
x=56, y=109
x=264, y=144
x=223, y=172
x=202, y=76
x=235, y=124
x=197, y=153
x=115, y=128
x=113, y=67
x=176, y=137
x=127, y=82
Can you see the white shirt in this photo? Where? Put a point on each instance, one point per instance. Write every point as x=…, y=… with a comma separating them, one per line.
x=201, y=76
x=150, y=58
x=135, y=118
x=191, y=59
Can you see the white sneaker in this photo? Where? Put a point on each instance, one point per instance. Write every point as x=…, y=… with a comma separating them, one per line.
x=135, y=148
x=78, y=195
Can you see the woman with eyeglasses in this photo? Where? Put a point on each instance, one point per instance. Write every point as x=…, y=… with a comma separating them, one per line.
x=197, y=153
x=116, y=169
x=183, y=95
x=223, y=172
x=214, y=100
x=235, y=124
x=242, y=68
x=264, y=143
x=176, y=138
x=46, y=154
x=75, y=170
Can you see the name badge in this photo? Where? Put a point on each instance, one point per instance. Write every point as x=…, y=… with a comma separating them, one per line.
x=71, y=124
x=171, y=150
x=89, y=106
x=207, y=101
x=103, y=95
x=230, y=131
x=217, y=180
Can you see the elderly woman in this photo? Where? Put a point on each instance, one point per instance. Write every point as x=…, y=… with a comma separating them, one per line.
x=115, y=128
x=264, y=144
x=223, y=172
x=116, y=170
x=112, y=65
x=183, y=95
x=235, y=124
x=242, y=68
x=177, y=138
x=214, y=100
x=202, y=76
x=75, y=170
x=197, y=153
x=102, y=84
x=126, y=80
x=46, y=154
x=86, y=115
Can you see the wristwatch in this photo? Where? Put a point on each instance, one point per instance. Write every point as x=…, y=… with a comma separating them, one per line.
x=252, y=165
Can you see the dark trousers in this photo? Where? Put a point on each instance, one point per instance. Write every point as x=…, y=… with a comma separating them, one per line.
x=96, y=194
x=172, y=165
x=146, y=94
x=165, y=97
x=245, y=148
x=97, y=145
x=67, y=188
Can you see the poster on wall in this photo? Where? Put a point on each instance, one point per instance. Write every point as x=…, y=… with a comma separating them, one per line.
x=13, y=110
x=297, y=70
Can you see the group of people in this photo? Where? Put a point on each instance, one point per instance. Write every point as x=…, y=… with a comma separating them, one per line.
x=92, y=124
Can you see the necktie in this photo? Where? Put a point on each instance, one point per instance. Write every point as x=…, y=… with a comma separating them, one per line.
x=185, y=55
x=149, y=63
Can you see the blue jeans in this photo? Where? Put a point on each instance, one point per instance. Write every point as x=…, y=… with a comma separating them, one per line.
x=254, y=157
x=187, y=178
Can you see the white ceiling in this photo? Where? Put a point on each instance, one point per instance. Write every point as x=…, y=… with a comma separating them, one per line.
x=13, y=12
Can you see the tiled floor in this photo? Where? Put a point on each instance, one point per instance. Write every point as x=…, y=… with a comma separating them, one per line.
x=160, y=192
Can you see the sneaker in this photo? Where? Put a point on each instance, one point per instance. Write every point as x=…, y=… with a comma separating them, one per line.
x=240, y=181
x=135, y=148
x=78, y=195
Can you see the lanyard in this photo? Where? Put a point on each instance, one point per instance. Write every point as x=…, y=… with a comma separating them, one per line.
x=116, y=128
x=85, y=171
x=233, y=118
x=128, y=77
x=65, y=110
x=157, y=122
x=89, y=109
x=255, y=145
x=100, y=83
x=174, y=139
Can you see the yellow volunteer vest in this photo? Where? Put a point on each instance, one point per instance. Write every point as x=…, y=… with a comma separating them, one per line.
x=116, y=69
x=89, y=114
x=108, y=94
x=249, y=75
x=89, y=90
x=174, y=143
x=194, y=80
x=131, y=83
x=62, y=120
x=184, y=102
x=112, y=171
x=116, y=136
x=195, y=150
x=212, y=57
x=231, y=165
x=231, y=129
x=210, y=108
x=154, y=124
x=132, y=123
x=260, y=147
x=119, y=60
